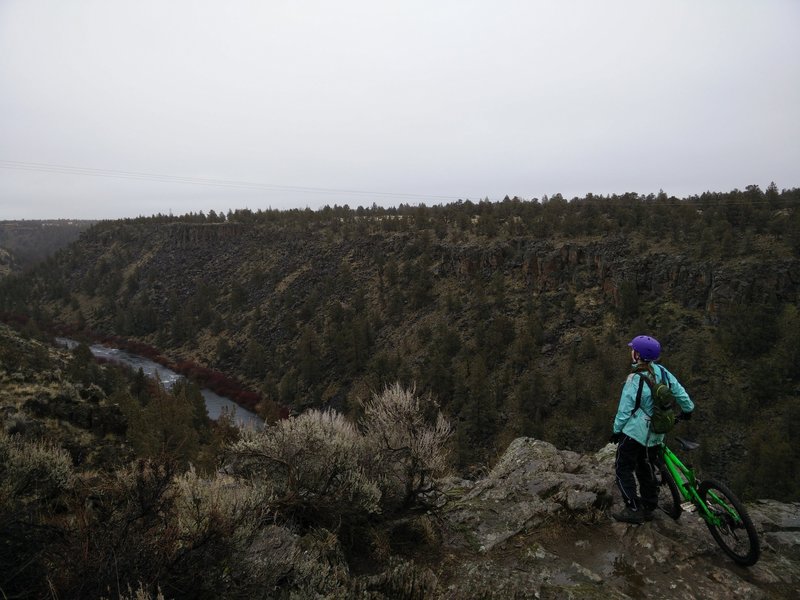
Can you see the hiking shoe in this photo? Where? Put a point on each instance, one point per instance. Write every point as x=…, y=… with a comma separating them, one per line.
x=626, y=515
x=649, y=512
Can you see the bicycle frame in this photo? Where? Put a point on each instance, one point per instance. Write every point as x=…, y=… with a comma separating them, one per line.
x=686, y=482
x=723, y=513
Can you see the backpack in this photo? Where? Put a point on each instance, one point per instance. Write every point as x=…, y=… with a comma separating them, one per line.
x=664, y=407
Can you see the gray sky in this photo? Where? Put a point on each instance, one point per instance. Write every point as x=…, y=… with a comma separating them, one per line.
x=407, y=101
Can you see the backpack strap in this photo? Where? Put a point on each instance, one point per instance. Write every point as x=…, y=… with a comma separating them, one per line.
x=638, y=404
x=665, y=377
x=643, y=378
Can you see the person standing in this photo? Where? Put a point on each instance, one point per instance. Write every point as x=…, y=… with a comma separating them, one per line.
x=637, y=445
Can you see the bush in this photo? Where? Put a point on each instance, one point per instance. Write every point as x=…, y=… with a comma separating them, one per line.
x=33, y=479
x=311, y=468
x=309, y=491
x=120, y=530
x=175, y=532
x=407, y=452
x=31, y=474
x=320, y=470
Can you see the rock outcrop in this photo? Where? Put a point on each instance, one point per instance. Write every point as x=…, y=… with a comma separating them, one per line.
x=538, y=527
x=532, y=484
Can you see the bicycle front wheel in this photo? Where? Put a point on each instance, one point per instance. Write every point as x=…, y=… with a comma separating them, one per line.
x=733, y=531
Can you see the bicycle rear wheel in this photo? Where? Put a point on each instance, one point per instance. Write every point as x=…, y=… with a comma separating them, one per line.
x=669, y=498
x=735, y=533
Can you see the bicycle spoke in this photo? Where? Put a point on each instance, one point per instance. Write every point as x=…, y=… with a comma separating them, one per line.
x=669, y=498
x=730, y=524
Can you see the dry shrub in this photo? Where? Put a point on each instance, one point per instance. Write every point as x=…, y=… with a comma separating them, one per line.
x=401, y=580
x=349, y=493
x=320, y=570
x=150, y=530
x=319, y=468
x=33, y=478
x=120, y=530
x=311, y=468
x=151, y=525
x=408, y=451
x=202, y=504
x=32, y=473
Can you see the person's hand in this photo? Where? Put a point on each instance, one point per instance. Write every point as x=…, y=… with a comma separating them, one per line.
x=615, y=437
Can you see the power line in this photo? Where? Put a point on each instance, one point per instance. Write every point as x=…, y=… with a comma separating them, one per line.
x=235, y=184
x=224, y=183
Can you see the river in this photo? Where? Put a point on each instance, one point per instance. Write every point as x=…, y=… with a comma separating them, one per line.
x=214, y=402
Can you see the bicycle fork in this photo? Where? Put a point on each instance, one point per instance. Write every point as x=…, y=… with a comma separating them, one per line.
x=686, y=483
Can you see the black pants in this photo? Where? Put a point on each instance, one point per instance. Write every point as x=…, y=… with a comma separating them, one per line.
x=635, y=459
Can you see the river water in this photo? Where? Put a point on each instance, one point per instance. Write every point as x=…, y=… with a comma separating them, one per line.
x=214, y=402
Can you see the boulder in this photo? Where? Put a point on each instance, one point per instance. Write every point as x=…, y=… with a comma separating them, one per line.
x=532, y=483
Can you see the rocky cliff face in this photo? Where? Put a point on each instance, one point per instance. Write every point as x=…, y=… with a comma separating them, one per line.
x=277, y=270
x=227, y=254
x=538, y=526
x=698, y=283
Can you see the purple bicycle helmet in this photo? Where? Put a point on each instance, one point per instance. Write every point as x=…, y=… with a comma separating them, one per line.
x=647, y=347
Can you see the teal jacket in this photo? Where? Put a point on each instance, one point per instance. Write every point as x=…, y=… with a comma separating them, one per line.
x=636, y=424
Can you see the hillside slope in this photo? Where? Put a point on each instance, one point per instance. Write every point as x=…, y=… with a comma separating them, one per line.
x=513, y=316
x=25, y=243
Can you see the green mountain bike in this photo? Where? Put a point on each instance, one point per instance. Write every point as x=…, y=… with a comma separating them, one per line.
x=722, y=511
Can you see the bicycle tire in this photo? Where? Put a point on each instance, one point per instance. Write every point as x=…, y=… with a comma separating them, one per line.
x=669, y=498
x=736, y=535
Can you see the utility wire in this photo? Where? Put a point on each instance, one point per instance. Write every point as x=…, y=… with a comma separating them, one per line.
x=225, y=183
x=234, y=184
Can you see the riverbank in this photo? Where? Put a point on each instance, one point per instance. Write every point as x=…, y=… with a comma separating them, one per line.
x=216, y=404
x=220, y=384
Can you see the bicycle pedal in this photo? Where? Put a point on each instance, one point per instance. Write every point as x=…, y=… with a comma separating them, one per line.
x=688, y=507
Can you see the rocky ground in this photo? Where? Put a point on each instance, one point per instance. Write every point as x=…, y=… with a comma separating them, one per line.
x=539, y=526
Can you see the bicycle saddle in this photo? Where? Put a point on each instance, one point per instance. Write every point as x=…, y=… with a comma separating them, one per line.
x=687, y=444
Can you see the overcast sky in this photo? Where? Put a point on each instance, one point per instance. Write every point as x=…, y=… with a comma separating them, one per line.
x=115, y=109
